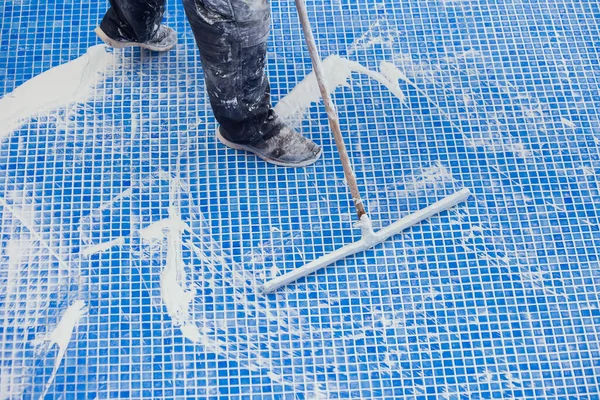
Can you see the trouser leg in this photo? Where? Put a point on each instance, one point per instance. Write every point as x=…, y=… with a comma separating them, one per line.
x=133, y=20
x=232, y=38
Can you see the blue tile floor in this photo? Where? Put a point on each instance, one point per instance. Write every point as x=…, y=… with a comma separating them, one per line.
x=498, y=298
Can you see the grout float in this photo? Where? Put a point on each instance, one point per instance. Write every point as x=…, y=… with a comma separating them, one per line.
x=338, y=71
x=62, y=85
x=61, y=336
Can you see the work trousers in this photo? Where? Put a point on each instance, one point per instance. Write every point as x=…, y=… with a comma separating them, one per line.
x=232, y=38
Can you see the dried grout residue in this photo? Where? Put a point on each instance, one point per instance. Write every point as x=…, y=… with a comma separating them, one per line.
x=209, y=296
x=381, y=33
x=60, y=86
x=176, y=288
x=119, y=194
x=102, y=247
x=61, y=337
x=40, y=261
x=270, y=255
x=37, y=271
x=338, y=71
x=425, y=182
x=31, y=252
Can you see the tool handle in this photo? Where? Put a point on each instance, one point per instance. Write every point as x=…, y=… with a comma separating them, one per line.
x=334, y=122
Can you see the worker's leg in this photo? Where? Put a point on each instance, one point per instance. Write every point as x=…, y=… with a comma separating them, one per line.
x=136, y=22
x=232, y=38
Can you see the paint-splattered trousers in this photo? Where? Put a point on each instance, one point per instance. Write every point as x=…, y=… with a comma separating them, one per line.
x=232, y=38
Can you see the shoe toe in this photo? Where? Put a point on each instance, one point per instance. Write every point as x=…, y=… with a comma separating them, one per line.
x=301, y=152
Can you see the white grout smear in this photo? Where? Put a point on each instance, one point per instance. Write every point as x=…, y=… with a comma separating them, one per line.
x=99, y=248
x=177, y=294
x=62, y=85
x=393, y=75
x=338, y=71
x=219, y=279
x=61, y=336
x=14, y=250
x=109, y=204
x=568, y=123
x=382, y=33
x=11, y=383
x=157, y=229
x=18, y=310
x=429, y=179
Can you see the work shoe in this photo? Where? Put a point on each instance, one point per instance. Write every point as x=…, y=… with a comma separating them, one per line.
x=282, y=146
x=164, y=39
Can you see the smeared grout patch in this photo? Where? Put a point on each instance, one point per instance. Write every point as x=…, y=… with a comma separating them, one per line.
x=99, y=248
x=61, y=336
x=429, y=178
x=468, y=54
x=338, y=71
x=14, y=250
x=62, y=85
x=274, y=250
x=11, y=382
x=123, y=195
x=12, y=376
x=380, y=33
x=22, y=205
x=270, y=254
x=231, y=331
x=568, y=123
x=23, y=209
x=392, y=73
x=36, y=270
x=176, y=291
x=92, y=228
x=157, y=230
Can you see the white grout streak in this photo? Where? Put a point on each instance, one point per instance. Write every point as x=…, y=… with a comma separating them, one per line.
x=99, y=248
x=61, y=336
x=338, y=71
x=568, y=123
x=68, y=83
x=11, y=382
x=109, y=204
x=177, y=294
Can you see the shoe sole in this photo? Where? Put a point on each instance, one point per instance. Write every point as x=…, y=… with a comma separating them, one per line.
x=237, y=146
x=121, y=45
